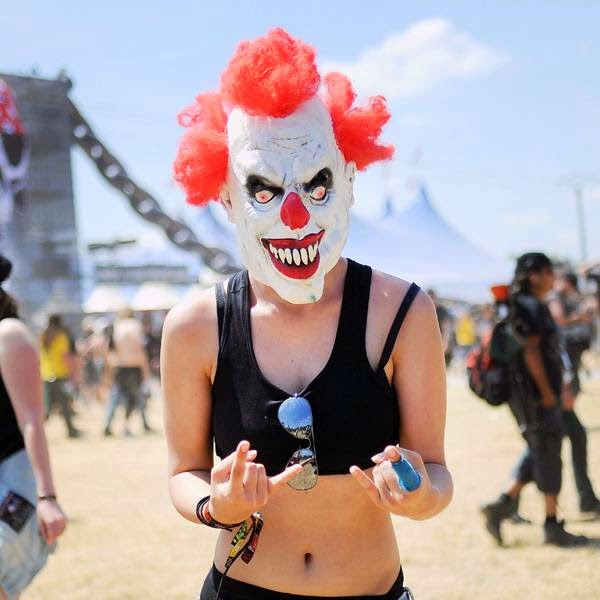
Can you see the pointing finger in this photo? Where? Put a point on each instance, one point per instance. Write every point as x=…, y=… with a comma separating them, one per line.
x=239, y=464
x=366, y=484
x=224, y=466
x=277, y=481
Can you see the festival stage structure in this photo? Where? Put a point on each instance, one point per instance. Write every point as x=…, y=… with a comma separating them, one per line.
x=40, y=237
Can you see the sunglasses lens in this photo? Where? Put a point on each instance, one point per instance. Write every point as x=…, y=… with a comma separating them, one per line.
x=307, y=478
x=295, y=415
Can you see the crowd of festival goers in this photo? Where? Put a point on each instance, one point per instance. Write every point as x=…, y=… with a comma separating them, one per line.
x=111, y=362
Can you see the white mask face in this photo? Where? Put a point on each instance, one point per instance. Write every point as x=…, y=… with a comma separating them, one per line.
x=290, y=192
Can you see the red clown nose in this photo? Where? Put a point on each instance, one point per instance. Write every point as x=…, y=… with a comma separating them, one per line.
x=293, y=212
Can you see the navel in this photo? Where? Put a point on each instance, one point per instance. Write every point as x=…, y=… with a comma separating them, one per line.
x=308, y=558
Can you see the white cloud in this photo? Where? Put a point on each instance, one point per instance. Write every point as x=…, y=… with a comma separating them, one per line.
x=418, y=59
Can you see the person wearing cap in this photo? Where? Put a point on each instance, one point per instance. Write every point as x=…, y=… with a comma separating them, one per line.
x=31, y=520
x=535, y=399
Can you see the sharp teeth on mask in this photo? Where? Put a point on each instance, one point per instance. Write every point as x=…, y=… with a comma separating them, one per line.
x=311, y=253
x=273, y=250
x=304, y=255
x=296, y=256
x=288, y=256
x=281, y=255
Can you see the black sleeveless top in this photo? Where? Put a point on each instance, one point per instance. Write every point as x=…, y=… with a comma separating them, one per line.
x=355, y=410
x=11, y=439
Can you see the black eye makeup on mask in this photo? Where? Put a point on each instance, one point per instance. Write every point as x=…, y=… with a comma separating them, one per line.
x=319, y=185
x=261, y=189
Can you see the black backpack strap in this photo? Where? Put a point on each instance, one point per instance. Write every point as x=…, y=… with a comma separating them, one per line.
x=413, y=290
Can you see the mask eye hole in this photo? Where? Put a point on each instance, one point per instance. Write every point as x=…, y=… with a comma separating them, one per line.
x=318, y=193
x=264, y=196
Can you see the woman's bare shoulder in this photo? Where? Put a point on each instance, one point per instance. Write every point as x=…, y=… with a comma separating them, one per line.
x=14, y=331
x=192, y=321
x=388, y=291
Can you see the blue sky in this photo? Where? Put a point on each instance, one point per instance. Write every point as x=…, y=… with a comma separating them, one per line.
x=493, y=104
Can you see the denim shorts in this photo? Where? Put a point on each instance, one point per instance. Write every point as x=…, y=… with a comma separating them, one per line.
x=24, y=552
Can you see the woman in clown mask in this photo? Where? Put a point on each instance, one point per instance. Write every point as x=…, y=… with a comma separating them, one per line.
x=320, y=382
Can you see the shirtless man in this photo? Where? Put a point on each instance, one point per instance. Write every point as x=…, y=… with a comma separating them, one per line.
x=128, y=365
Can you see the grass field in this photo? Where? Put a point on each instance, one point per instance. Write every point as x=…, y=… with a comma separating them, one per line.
x=125, y=541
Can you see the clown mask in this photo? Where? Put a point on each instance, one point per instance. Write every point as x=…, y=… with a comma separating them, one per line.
x=289, y=192
x=279, y=145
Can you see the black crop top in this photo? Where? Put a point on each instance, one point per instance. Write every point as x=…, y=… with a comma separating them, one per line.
x=355, y=410
x=11, y=439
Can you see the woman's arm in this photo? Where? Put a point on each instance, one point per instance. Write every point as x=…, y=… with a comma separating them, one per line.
x=19, y=365
x=188, y=361
x=238, y=486
x=419, y=380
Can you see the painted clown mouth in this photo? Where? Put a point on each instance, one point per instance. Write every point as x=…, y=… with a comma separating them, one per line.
x=296, y=259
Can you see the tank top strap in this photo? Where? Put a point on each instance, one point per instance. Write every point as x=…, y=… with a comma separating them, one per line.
x=407, y=301
x=229, y=307
x=220, y=297
x=355, y=307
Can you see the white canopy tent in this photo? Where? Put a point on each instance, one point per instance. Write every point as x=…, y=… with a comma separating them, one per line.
x=419, y=245
x=105, y=299
x=155, y=296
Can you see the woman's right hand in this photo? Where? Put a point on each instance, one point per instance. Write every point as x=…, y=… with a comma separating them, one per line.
x=239, y=487
x=51, y=520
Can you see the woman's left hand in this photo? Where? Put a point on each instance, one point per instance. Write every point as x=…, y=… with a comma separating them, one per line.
x=385, y=491
x=51, y=520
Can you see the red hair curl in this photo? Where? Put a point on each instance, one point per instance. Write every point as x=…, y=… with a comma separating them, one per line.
x=357, y=129
x=201, y=163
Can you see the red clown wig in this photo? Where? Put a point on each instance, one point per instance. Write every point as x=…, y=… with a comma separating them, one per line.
x=271, y=77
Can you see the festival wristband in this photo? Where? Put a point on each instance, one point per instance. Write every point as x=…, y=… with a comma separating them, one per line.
x=408, y=477
x=205, y=517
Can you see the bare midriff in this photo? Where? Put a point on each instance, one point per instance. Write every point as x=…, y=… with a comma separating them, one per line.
x=329, y=541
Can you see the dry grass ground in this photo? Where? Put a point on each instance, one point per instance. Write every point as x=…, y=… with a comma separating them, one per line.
x=126, y=542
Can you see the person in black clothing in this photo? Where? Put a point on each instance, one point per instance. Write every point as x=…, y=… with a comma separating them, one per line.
x=538, y=382
x=566, y=306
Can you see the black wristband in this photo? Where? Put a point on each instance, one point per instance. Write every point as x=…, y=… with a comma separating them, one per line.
x=208, y=518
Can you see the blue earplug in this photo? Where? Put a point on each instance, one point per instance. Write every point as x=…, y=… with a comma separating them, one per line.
x=409, y=479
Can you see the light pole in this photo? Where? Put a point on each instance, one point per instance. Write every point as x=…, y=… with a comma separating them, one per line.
x=581, y=223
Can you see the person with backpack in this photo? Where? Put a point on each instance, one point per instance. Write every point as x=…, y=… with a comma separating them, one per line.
x=538, y=378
